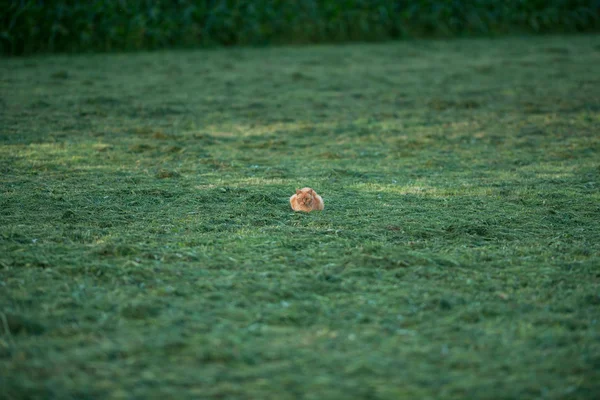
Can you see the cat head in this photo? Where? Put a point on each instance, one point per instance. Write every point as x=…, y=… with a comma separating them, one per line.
x=305, y=196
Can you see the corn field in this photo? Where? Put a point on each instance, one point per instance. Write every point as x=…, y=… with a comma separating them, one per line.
x=48, y=26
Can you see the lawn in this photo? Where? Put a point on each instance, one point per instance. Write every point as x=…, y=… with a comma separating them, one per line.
x=148, y=248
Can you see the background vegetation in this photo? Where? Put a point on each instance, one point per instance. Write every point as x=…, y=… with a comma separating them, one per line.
x=148, y=249
x=29, y=26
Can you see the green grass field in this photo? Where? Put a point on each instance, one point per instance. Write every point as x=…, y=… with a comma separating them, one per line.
x=148, y=249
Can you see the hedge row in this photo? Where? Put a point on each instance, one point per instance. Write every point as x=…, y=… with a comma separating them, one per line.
x=31, y=26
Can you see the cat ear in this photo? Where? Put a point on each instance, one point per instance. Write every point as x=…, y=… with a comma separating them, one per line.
x=298, y=191
x=312, y=191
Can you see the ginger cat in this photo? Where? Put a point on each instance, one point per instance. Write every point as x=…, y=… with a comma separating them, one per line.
x=306, y=200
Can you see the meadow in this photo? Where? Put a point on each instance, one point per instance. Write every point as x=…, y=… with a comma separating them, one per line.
x=148, y=249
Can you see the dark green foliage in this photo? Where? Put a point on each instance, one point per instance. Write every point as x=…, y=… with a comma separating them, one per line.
x=29, y=26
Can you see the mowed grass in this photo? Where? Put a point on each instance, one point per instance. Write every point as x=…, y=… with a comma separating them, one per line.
x=148, y=249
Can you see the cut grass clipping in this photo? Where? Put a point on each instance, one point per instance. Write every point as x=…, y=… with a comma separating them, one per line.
x=148, y=248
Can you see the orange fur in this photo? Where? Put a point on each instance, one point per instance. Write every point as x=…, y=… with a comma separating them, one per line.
x=306, y=200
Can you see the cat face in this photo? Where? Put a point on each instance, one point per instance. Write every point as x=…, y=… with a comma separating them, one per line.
x=305, y=196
